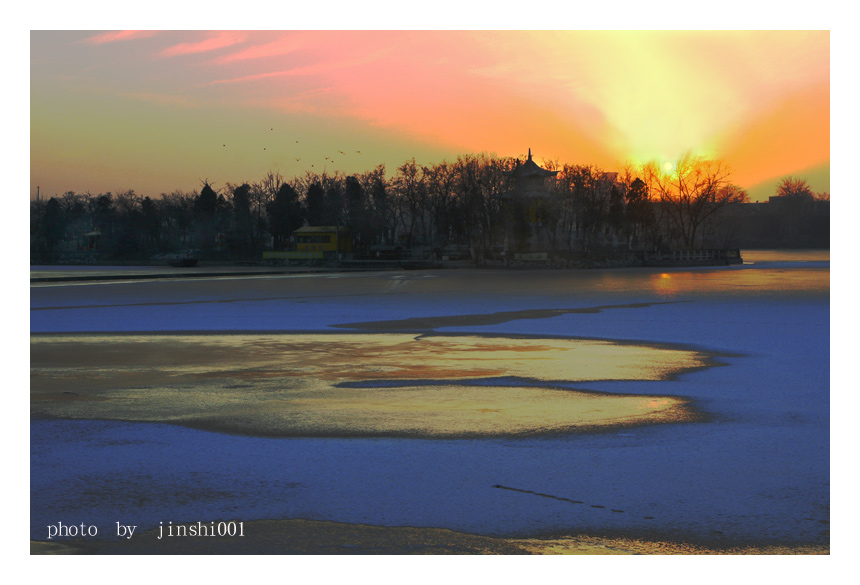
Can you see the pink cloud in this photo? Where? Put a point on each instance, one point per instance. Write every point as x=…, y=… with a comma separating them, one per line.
x=281, y=46
x=218, y=40
x=120, y=35
x=255, y=77
x=317, y=69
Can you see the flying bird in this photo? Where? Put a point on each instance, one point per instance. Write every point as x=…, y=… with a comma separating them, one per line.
x=342, y=152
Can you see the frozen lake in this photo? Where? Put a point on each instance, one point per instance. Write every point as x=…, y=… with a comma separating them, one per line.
x=756, y=470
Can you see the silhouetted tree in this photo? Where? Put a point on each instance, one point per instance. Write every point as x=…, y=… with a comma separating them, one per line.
x=77, y=218
x=383, y=213
x=589, y=200
x=441, y=201
x=411, y=200
x=360, y=214
x=440, y=204
x=53, y=224
x=638, y=213
x=129, y=227
x=207, y=202
x=285, y=215
x=791, y=187
x=242, y=228
x=693, y=193
x=178, y=218
x=205, y=211
x=151, y=220
x=315, y=204
x=103, y=219
x=334, y=210
x=491, y=182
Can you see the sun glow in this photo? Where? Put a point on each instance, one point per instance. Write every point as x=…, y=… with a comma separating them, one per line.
x=758, y=100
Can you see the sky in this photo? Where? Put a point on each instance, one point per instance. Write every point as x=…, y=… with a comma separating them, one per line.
x=162, y=110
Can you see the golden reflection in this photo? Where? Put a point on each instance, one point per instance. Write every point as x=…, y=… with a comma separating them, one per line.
x=664, y=285
x=341, y=384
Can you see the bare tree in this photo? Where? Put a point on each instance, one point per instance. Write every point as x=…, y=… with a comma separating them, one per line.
x=410, y=189
x=693, y=193
x=791, y=187
x=586, y=203
x=440, y=190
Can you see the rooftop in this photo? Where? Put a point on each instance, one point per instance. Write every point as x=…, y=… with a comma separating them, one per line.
x=530, y=169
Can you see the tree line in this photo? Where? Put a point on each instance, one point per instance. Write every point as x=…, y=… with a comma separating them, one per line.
x=796, y=217
x=464, y=203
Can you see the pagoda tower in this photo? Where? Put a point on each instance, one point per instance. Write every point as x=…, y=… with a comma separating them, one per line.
x=525, y=203
x=530, y=180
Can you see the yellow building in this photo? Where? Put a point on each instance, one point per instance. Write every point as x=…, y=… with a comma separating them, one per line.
x=322, y=239
x=315, y=243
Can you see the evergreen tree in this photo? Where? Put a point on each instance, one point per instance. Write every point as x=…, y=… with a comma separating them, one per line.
x=53, y=224
x=285, y=215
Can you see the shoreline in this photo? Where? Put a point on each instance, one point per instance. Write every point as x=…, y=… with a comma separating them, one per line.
x=135, y=272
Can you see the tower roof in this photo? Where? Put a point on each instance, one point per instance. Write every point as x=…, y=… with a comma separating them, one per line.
x=530, y=169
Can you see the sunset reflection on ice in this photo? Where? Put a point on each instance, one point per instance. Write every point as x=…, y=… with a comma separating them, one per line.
x=354, y=384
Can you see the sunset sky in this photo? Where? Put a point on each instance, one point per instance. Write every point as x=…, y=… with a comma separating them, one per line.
x=157, y=111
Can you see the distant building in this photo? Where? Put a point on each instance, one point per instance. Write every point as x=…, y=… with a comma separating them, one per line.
x=315, y=243
x=784, y=221
x=525, y=202
x=534, y=225
x=91, y=240
x=325, y=239
x=530, y=180
x=793, y=199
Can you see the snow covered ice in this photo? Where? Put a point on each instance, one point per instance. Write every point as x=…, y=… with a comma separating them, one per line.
x=756, y=470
